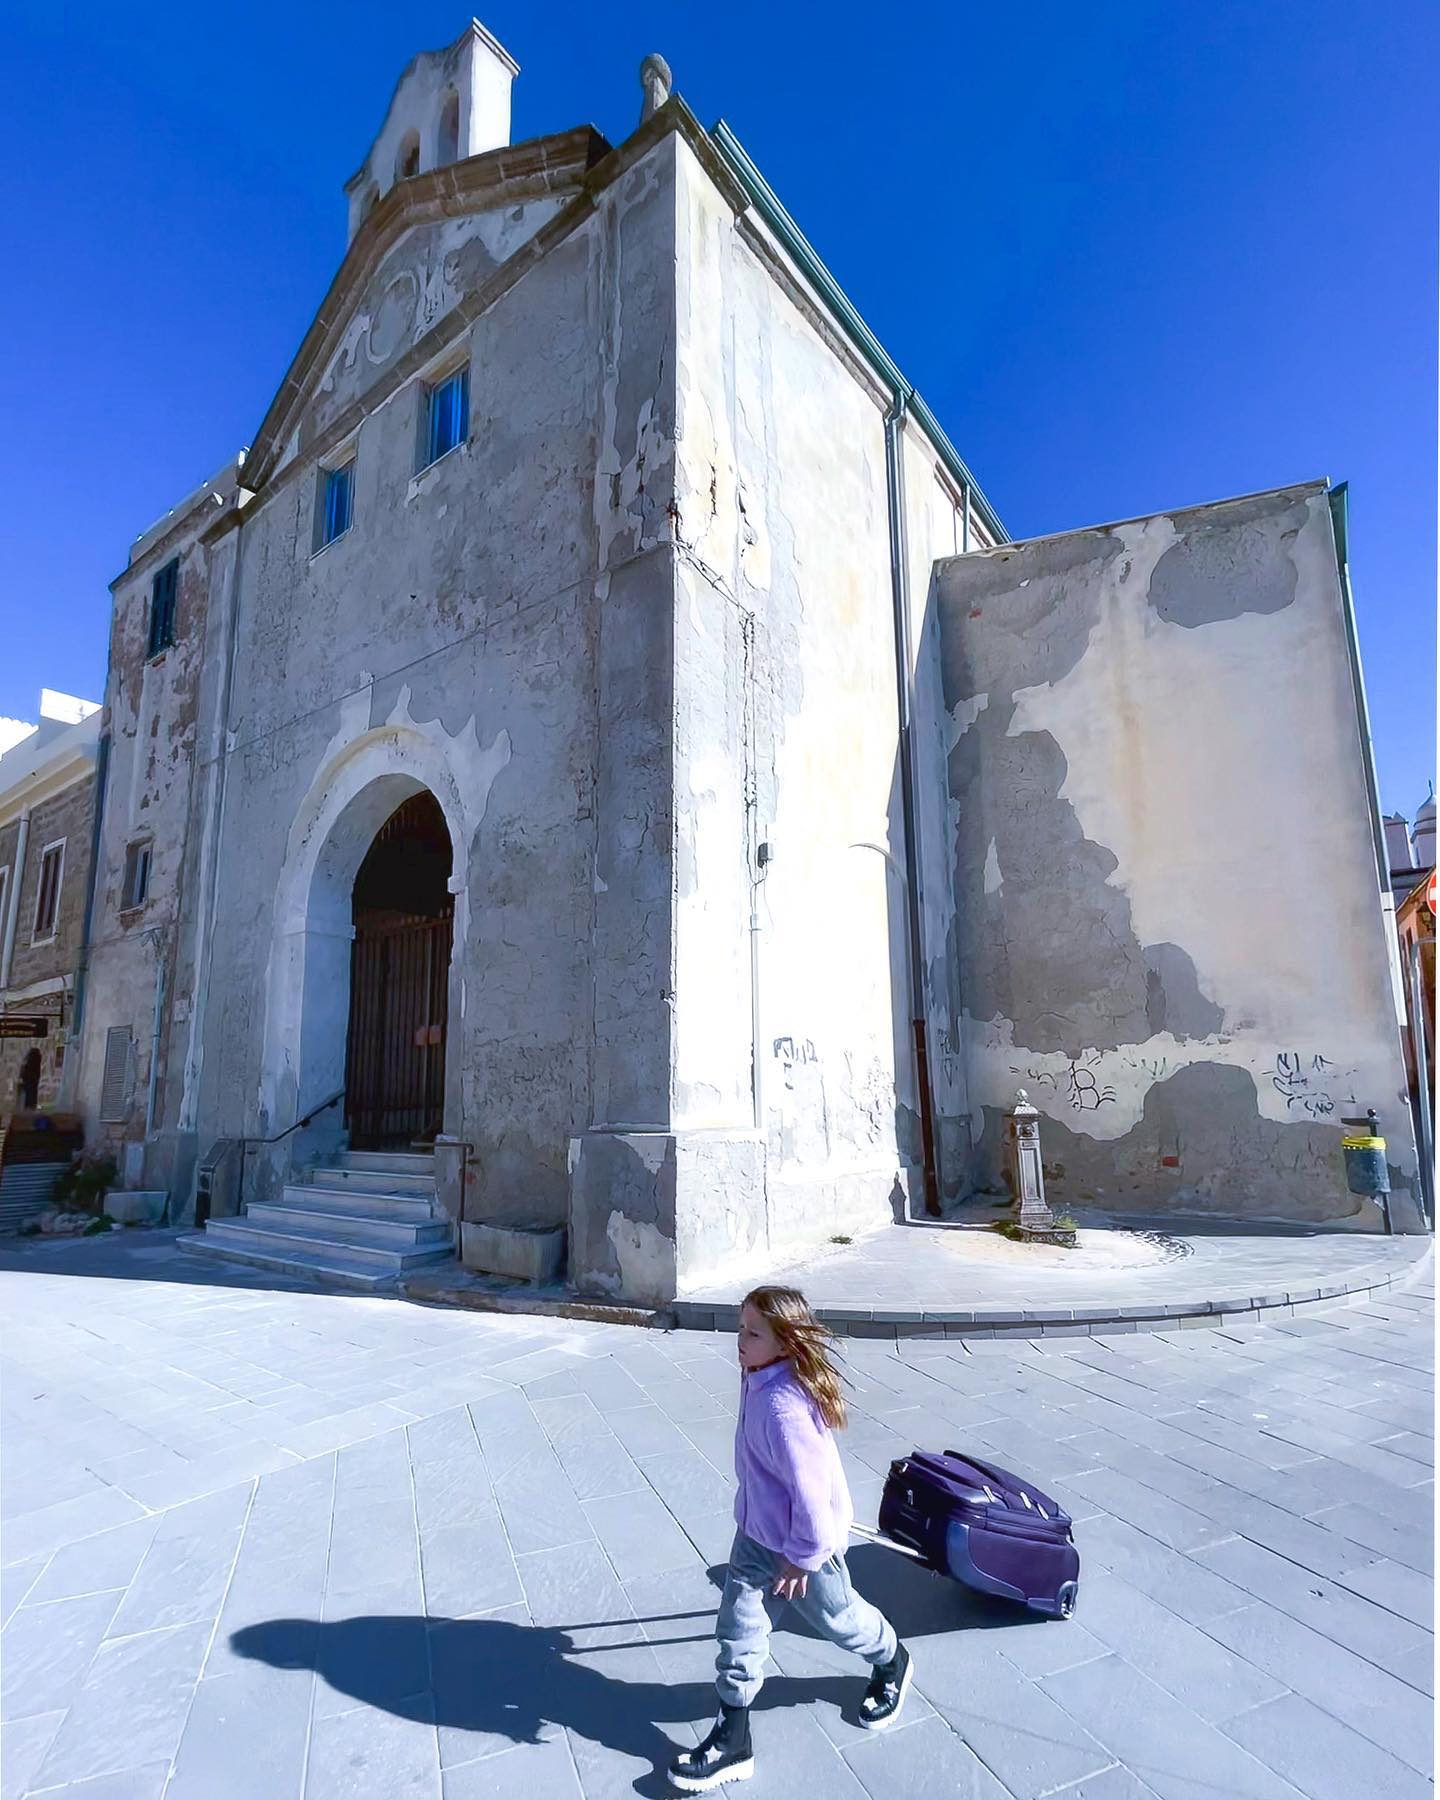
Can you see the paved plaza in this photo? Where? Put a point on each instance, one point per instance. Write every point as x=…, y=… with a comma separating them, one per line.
x=263, y=1542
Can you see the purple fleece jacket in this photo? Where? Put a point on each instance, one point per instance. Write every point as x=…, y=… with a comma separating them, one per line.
x=792, y=1497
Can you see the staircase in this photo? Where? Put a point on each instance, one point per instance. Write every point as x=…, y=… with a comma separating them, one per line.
x=359, y=1224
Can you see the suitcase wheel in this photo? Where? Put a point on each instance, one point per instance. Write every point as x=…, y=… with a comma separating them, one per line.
x=1065, y=1600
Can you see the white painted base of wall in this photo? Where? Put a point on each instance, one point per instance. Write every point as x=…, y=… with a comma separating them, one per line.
x=655, y=1213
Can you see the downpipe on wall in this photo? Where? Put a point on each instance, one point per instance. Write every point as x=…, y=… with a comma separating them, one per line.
x=758, y=858
x=214, y=830
x=152, y=1087
x=900, y=594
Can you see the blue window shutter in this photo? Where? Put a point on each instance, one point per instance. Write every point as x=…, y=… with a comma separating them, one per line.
x=339, y=502
x=449, y=419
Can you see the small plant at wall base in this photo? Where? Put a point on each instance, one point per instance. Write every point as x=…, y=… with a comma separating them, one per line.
x=86, y=1182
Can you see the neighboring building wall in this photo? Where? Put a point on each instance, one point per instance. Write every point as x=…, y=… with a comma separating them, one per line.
x=139, y=954
x=58, y=795
x=1193, y=1000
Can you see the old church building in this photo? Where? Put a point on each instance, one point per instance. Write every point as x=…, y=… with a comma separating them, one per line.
x=605, y=780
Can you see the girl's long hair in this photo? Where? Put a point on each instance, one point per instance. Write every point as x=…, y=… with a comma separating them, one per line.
x=806, y=1342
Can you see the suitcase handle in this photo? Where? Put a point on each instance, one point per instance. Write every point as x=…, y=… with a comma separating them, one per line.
x=991, y=1470
x=886, y=1542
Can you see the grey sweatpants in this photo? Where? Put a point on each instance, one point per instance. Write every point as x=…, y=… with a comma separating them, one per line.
x=748, y=1608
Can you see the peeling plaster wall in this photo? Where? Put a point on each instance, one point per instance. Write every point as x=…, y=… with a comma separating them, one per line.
x=1192, y=998
x=497, y=629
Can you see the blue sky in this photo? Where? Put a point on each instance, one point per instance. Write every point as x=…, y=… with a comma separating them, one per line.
x=1135, y=256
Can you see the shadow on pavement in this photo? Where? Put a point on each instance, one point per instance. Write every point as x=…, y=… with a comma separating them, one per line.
x=509, y=1683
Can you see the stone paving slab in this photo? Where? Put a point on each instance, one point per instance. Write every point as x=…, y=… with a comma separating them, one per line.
x=945, y=1279
x=490, y=1568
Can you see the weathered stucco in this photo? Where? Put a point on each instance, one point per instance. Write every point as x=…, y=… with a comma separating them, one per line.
x=1194, y=998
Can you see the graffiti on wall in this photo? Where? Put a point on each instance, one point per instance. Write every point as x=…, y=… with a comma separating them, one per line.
x=793, y=1053
x=1081, y=1081
x=1308, y=1083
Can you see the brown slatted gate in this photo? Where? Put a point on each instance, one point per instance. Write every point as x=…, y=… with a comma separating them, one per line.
x=395, y=1074
x=399, y=985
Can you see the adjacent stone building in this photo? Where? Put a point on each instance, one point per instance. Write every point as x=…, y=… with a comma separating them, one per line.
x=47, y=815
x=542, y=736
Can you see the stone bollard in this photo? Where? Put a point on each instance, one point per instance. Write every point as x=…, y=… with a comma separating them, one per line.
x=1027, y=1176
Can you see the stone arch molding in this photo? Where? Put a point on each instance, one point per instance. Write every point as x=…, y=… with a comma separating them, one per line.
x=364, y=773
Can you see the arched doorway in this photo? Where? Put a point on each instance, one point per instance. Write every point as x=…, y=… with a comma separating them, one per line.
x=403, y=915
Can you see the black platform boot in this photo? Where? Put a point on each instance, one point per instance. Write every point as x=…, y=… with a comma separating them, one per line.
x=725, y=1755
x=889, y=1684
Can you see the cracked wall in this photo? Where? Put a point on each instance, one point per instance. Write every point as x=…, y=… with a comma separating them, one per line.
x=1166, y=923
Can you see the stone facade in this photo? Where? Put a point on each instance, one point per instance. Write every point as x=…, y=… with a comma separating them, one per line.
x=47, y=805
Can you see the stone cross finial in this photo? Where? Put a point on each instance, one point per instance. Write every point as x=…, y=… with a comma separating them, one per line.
x=655, y=83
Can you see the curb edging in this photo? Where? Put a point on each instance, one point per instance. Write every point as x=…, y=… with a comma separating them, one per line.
x=901, y=1323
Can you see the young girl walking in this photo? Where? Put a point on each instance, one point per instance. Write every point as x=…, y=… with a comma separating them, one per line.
x=793, y=1512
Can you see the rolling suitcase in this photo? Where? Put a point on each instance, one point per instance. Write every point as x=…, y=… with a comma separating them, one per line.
x=984, y=1527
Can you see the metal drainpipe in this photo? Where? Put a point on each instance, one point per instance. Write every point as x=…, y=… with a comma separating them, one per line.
x=900, y=593
x=153, y=1085
x=209, y=900
x=82, y=967
x=1339, y=498
x=756, y=875
x=12, y=909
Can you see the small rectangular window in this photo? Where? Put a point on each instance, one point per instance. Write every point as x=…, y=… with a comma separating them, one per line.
x=337, y=501
x=47, y=892
x=447, y=414
x=115, y=1082
x=137, y=876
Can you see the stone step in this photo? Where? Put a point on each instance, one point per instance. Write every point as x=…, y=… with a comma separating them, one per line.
x=371, y=1181
x=257, y=1234
x=352, y=1229
x=333, y=1267
x=414, y=1208
x=395, y=1162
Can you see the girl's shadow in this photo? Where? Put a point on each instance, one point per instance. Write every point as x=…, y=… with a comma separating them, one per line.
x=491, y=1683
x=500, y=1683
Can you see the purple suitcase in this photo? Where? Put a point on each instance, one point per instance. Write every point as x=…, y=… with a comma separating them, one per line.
x=984, y=1527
